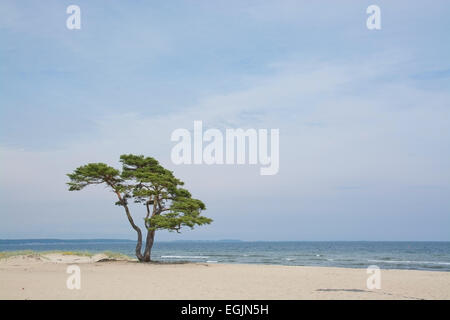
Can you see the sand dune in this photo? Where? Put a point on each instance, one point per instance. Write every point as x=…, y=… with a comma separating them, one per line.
x=44, y=277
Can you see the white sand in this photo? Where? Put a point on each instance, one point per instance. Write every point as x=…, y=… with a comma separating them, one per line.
x=34, y=277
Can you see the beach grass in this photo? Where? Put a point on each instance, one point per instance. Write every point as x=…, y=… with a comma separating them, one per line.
x=108, y=254
x=73, y=253
x=116, y=255
x=9, y=254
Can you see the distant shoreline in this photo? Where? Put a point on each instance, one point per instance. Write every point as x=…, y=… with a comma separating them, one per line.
x=105, y=240
x=219, y=240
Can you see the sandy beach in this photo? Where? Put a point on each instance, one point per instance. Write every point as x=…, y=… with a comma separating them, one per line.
x=45, y=276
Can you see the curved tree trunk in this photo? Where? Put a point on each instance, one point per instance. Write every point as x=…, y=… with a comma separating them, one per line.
x=139, y=234
x=134, y=226
x=149, y=245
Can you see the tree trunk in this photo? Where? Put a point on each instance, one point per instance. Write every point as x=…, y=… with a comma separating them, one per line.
x=139, y=246
x=149, y=245
x=123, y=202
x=137, y=229
x=139, y=234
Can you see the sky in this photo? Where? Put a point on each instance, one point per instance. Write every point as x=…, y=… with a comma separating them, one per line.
x=363, y=115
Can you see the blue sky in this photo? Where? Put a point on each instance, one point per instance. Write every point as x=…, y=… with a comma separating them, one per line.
x=364, y=116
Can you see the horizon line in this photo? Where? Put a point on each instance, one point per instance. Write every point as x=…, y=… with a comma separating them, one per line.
x=212, y=240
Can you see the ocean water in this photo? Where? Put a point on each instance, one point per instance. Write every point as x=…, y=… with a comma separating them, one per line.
x=386, y=255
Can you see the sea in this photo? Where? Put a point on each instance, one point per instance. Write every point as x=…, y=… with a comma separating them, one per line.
x=434, y=256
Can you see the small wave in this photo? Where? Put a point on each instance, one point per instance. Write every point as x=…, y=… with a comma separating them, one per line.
x=289, y=259
x=184, y=257
x=255, y=255
x=411, y=262
x=211, y=261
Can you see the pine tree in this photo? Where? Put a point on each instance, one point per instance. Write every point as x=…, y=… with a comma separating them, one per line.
x=167, y=205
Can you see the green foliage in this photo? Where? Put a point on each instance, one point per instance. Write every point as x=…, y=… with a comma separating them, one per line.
x=167, y=205
x=73, y=253
x=93, y=173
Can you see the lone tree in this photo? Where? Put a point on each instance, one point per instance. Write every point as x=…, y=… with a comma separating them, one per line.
x=145, y=181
